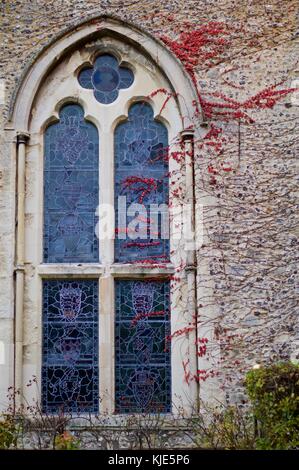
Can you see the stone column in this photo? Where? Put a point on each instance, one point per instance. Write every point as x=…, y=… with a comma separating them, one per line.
x=188, y=139
x=22, y=139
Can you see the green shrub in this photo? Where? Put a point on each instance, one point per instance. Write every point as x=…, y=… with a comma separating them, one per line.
x=8, y=431
x=221, y=426
x=274, y=393
x=66, y=441
x=235, y=429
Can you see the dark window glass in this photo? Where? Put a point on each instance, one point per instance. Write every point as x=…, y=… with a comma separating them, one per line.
x=71, y=189
x=143, y=377
x=106, y=78
x=70, y=346
x=141, y=175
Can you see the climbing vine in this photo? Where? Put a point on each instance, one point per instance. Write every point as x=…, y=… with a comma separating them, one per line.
x=239, y=223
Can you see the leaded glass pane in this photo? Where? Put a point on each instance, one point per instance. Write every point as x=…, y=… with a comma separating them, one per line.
x=71, y=187
x=106, y=78
x=70, y=346
x=142, y=347
x=141, y=175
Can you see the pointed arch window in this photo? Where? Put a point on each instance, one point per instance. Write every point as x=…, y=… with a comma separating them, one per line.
x=106, y=303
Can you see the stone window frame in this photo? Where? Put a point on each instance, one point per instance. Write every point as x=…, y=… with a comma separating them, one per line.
x=28, y=145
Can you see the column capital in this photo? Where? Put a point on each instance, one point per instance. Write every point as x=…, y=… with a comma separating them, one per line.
x=19, y=268
x=22, y=137
x=187, y=134
x=190, y=268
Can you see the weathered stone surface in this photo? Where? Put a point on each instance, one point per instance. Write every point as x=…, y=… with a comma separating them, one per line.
x=247, y=267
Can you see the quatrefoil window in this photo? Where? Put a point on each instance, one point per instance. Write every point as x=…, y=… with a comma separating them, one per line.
x=106, y=78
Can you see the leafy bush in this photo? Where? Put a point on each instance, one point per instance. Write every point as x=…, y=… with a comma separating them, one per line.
x=8, y=431
x=274, y=393
x=235, y=429
x=66, y=441
x=222, y=427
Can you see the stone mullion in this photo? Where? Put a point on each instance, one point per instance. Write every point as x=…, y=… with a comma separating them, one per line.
x=22, y=139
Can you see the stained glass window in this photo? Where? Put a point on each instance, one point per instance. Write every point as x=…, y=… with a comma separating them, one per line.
x=142, y=347
x=71, y=188
x=141, y=176
x=106, y=78
x=70, y=346
x=70, y=306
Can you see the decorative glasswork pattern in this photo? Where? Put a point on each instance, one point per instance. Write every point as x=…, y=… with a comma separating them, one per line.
x=70, y=346
x=143, y=374
x=141, y=175
x=71, y=187
x=106, y=78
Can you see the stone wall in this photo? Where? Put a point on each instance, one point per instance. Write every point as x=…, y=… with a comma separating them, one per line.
x=247, y=268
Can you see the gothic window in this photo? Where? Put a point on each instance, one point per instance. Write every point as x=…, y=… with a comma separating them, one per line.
x=105, y=317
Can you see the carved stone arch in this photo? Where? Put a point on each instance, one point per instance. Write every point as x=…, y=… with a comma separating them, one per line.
x=36, y=103
x=88, y=30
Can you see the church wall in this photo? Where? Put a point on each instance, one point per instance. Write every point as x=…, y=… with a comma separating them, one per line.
x=246, y=266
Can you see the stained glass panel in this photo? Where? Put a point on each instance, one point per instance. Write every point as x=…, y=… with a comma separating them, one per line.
x=106, y=78
x=70, y=346
x=141, y=176
x=71, y=189
x=143, y=375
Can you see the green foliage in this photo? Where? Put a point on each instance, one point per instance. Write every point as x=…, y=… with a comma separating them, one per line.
x=8, y=431
x=222, y=427
x=235, y=429
x=66, y=441
x=274, y=393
